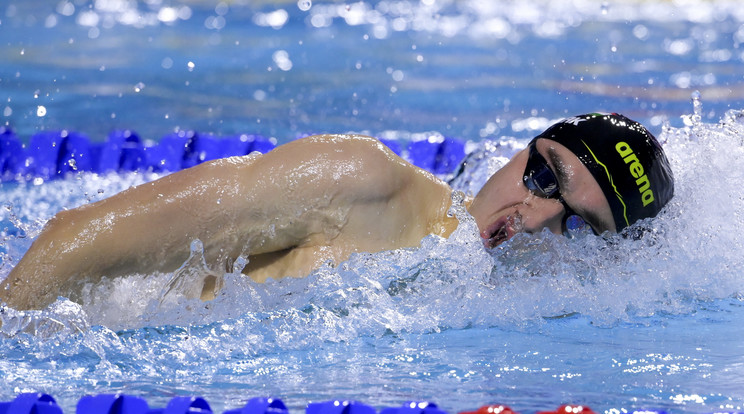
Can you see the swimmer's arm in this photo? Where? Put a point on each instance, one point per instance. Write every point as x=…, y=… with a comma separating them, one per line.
x=237, y=205
x=139, y=230
x=149, y=228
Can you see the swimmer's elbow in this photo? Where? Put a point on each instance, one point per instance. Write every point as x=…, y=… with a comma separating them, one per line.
x=62, y=228
x=56, y=223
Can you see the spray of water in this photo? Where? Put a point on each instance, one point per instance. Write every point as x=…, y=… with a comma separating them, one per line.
x=689, y=256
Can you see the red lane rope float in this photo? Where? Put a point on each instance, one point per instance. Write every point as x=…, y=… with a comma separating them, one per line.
x=491, y=409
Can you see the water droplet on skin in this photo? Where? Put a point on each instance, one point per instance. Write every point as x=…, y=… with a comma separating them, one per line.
x=240, y=264
x=197, y=246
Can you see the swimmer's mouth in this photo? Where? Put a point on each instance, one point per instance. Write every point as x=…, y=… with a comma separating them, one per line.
x=500, y=231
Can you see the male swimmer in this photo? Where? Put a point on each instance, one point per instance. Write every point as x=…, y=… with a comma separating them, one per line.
x=325, y=197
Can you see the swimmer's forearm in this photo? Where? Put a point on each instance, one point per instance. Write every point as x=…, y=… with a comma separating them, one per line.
x=147, y=228
x=37, y=278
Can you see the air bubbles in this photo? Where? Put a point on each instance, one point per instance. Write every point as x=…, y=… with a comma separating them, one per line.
x=94, y=32
x=184, y=12
x=50, y=21
x=139, y=87
x=88, y=18
x=640, y=32
x=66, y=8
x=304, y=5
x=276, y=19
x=215, y=22
x=281, y=59
x=41, y=111
x=221, y=8
x=167, y=14
x=679, y=47
x=682, y=80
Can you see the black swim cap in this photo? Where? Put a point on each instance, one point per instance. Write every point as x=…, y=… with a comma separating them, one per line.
x=624, y=158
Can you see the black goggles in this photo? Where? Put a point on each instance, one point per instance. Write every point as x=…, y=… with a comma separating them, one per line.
x=541, y=181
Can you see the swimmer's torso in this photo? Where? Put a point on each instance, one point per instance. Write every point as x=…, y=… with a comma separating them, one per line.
x=307, y=202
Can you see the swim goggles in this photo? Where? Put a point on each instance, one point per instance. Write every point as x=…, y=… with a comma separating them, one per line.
x=541, y=181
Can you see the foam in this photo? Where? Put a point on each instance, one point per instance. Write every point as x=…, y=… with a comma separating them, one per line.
x=690, y=257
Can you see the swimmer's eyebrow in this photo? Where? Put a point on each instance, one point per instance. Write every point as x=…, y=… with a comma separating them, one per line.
x=561, y=174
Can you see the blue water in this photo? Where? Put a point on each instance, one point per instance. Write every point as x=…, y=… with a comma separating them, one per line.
x=614, y=324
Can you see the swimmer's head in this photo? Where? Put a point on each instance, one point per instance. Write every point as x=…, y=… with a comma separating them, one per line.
x=624, y=158
x=597, y=169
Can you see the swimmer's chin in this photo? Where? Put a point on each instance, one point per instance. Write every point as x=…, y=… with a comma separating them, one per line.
x=498, y=232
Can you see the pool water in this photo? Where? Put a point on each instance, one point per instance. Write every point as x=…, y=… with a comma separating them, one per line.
x=615, y=324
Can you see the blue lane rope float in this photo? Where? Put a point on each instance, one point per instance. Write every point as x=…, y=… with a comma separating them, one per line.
x=56, y=154
x=339, y=407
x=414, y=407
x=39, y=403
x=29, y=403
x=261, y=405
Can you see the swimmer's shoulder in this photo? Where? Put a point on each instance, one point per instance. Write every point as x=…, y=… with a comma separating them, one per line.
x=354, y=154
x=355, y=163
x=342, y=143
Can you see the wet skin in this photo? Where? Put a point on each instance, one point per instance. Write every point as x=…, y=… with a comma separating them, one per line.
x=504, y=206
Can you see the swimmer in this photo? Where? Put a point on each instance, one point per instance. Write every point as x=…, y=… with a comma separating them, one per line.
x=322, y=198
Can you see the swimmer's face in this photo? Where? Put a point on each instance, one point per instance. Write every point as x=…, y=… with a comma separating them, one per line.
x=505, y=206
